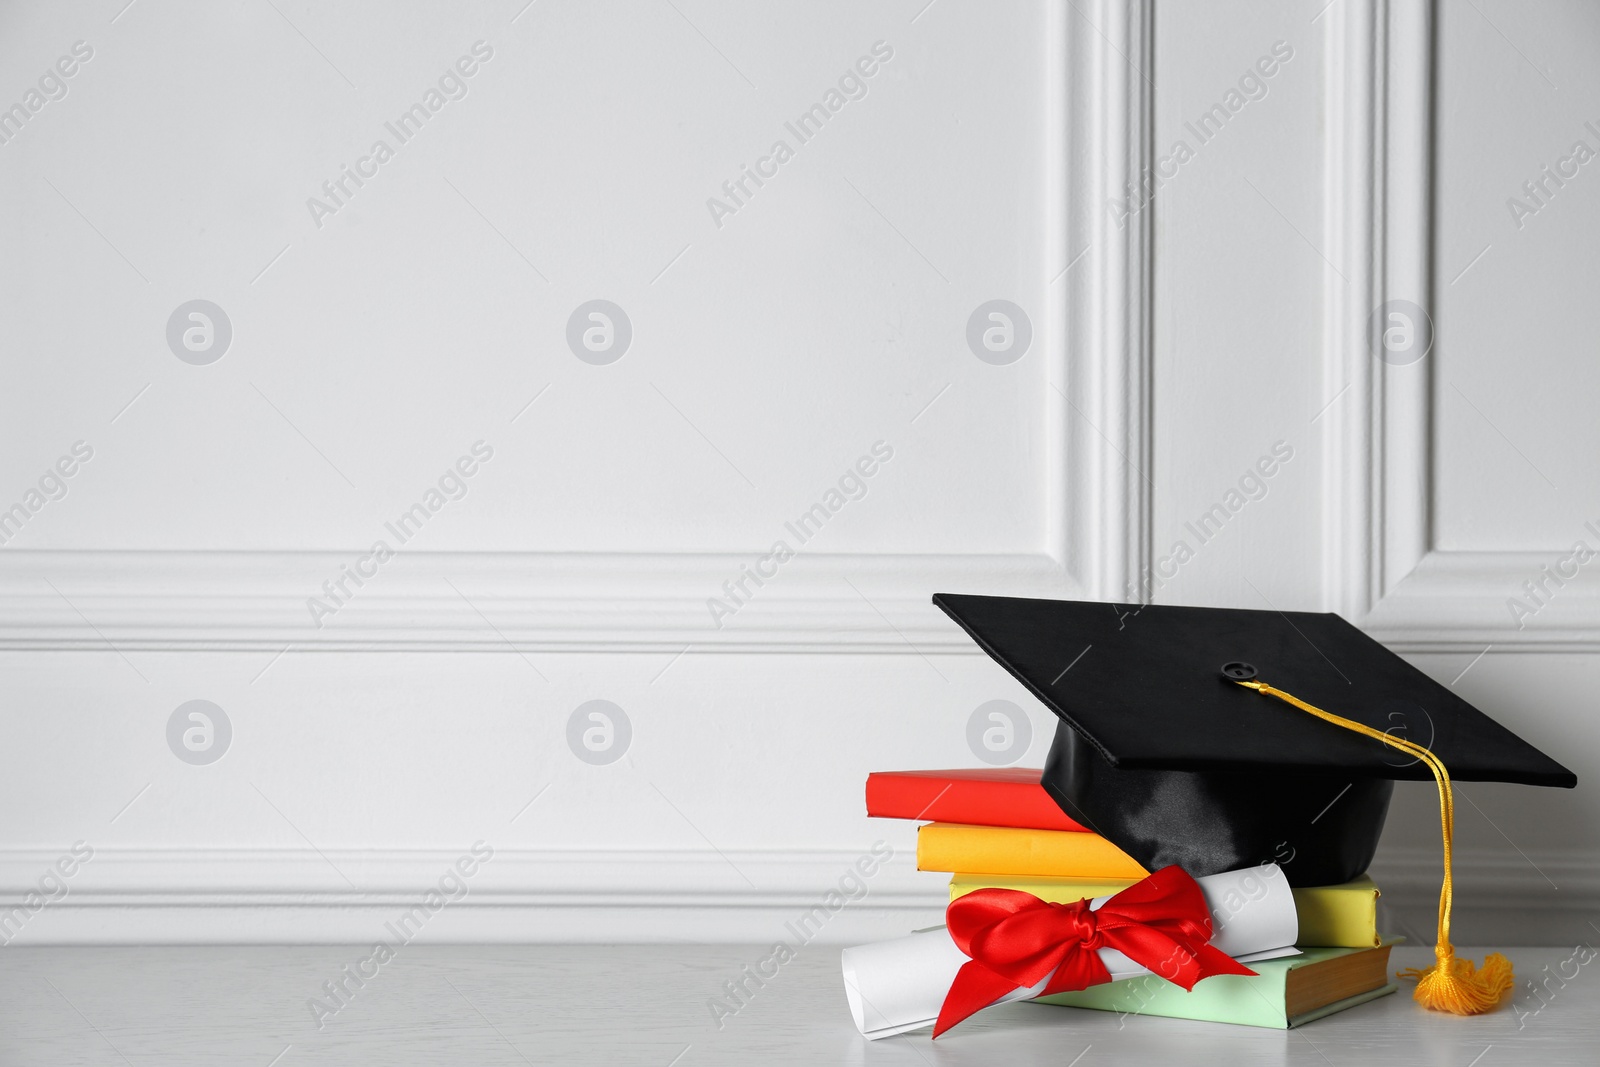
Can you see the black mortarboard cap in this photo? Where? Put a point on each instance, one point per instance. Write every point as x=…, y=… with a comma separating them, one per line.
x=1160, y=750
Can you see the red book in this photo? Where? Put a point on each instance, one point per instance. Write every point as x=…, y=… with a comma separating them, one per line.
x=991, y=796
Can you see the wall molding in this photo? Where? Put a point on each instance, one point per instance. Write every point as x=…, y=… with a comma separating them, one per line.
x=490, y=602
x=209, y=896
x=1382, y=566
x=1378, y=159
x=1110, y=309
x=1501, y=899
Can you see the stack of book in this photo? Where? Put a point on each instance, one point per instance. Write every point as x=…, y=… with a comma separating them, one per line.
x=998, y=828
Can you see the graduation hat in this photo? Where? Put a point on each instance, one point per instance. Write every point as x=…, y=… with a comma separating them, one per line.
x=1191, y=736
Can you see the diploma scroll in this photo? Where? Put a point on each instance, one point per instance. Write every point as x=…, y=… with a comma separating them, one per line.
x=896, y=986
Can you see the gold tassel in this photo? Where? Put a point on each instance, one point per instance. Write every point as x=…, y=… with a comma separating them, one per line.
x=1459, y=987
x=1454, y=985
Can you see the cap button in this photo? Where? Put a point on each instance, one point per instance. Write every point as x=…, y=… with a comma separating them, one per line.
x=1238, y=671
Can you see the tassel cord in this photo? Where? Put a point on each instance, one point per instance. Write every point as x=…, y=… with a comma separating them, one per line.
x=1451, y=984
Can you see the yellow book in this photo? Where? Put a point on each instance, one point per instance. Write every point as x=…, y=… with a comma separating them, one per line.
x=1341, y=916
x=1338, y=916
x=1055, y=890
x=1010, y=850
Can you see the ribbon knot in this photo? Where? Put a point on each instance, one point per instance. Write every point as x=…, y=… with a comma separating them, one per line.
x=1014, y=940
x=1085, y=928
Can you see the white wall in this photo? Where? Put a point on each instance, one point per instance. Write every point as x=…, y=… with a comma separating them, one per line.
x=1364, y=176
x=1170, y=349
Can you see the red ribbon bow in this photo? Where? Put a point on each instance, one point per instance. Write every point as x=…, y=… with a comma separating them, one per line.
x=1014, y=939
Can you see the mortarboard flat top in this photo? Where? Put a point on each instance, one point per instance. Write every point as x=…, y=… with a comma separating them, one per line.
x=1144, y=686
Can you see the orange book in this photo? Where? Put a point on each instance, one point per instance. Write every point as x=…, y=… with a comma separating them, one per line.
x=1010, y=850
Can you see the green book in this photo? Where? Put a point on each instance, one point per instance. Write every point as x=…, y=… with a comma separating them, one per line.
x=1285, y=992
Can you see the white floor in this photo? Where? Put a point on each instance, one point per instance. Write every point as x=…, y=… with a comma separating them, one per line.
x=649, y=1005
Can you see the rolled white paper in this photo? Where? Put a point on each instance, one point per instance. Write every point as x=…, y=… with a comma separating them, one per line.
x=899, y=985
